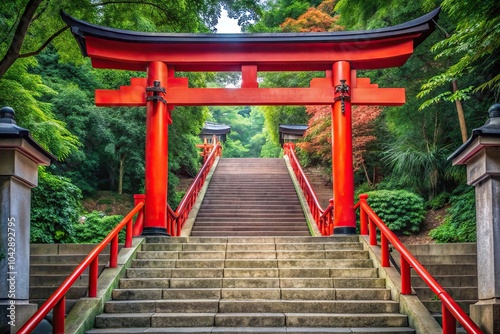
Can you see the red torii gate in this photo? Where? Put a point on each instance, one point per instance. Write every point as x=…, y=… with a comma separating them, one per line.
x=338, y=54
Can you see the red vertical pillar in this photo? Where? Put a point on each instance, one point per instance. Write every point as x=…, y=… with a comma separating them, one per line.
x=157, y=120
x=344, y=220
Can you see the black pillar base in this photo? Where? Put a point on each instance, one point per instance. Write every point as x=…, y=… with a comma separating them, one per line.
x=344, y=230
x=155, y=232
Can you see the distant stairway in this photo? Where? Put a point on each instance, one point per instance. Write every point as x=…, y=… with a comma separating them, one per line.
x=252, y=285
x=251, y=197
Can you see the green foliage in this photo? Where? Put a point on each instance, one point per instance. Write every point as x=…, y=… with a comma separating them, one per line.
x=23, y=91
x=401, y=210
x=55, y=209
x=95, y=227
x=439, y=201
x=460, y=221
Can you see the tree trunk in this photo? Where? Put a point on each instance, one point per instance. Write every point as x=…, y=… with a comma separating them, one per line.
x=460, y=112
x=17, y=41
x=121, y=173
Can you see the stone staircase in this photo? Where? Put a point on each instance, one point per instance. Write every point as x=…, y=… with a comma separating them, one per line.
x=250, y=197
x=454, y=266
x=252, y=285
x=51, y=264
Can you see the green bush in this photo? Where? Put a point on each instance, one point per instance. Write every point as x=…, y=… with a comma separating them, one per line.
x=55, y=208
x=401, y=210
x=439, y=201
x=96, y=227
x=460, y=221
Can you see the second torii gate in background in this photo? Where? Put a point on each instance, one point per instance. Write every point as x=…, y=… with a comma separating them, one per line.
x=337, y=54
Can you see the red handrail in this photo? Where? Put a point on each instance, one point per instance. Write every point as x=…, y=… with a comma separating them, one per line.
x=451, y=311
x=322, y=217
x=57, y=300
x=177, y=218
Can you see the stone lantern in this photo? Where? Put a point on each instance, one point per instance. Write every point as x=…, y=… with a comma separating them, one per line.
x=481, y=154
x=20, y=157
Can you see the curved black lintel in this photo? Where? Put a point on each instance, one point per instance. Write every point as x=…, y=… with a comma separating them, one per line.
x=423, y=25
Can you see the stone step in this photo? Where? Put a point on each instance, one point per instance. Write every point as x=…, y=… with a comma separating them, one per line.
x=271, y=219
x=249, y=228
x=450, y=269
x=138, y=320
x=41, y=292
x=248, y=233
x=257, y=306
x=256, y=239
x=220, y=272
x=56, y=280
x=248, y=254
x=443, y=249
x=434, y=306
x=457, y=293
x=74, y=259
x=64, y=249
x=61, y=269
x=448, y=259
x=266, y=279
x=267, y=246
x=448, y=281
x=252, y=263
x=253, y=330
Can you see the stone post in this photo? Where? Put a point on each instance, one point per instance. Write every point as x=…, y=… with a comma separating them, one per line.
x=481, y=154
x=20, y=156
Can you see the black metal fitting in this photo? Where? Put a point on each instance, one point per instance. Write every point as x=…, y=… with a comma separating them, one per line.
x=156, y=89
x=342, y=93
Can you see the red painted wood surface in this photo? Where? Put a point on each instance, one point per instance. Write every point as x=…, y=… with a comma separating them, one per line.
x=157, y=120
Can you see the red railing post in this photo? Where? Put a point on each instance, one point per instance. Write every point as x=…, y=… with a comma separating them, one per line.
x=449, y=323
x=93, y=275
x=363, y=218
x=139, y=221
x=405, y=276
x=384, y=250
x=373, y=232
x=128, y=234
x=113, y=252
x=59, y=315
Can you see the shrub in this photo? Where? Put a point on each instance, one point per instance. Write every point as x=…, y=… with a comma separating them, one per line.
x=439, y=201
x=55, y=208
x=401, y=210
x=96, y=227
x=460, y=221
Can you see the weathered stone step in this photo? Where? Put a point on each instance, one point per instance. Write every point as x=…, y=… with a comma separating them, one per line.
x=447, y=259
x=40, y=292
x=248, y=233
x=434, y=306
x=266, y=279
x=283, y=214
x=220, y=272
x=253, y=263
x=61, y=269
x=56, y=280
x=257, y=306
x=255, y=228
x=450, y=269
x=73, y=259
x=299, y=218
x=257, y=239
x=139, y=320
x=268, y=246
x=260, y=330
x=457, y=293
x=448, y=280
x=249, y=254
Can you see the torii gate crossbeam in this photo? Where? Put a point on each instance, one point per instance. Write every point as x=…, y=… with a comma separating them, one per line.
x=337, y=54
